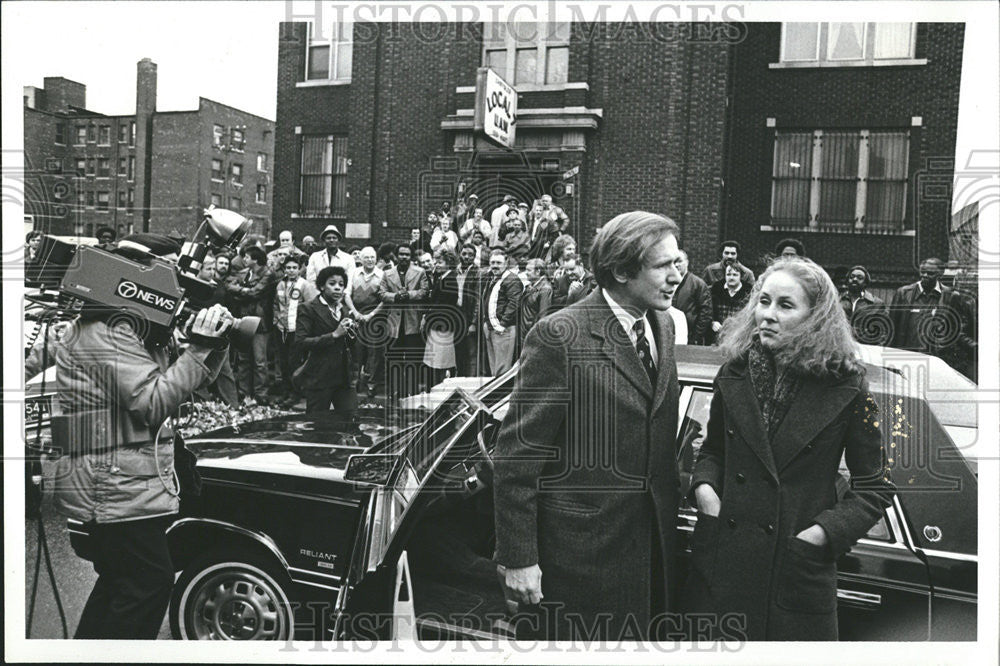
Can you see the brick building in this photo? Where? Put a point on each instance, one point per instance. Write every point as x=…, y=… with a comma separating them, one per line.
x=152, y=170
x=698, y=121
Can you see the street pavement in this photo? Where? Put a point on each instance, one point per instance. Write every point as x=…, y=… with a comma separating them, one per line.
x=74, y=578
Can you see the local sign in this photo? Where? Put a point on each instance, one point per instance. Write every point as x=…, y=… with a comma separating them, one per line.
x=496, y=107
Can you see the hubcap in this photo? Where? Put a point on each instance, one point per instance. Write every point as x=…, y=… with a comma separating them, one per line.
x=237, y=604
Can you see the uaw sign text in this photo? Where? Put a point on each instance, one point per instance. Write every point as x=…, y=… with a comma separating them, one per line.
x=496, y=107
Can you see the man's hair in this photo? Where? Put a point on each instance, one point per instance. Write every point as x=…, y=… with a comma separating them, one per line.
x=933, y=260
x=467, y=246
x=255, y=253
x=559, y=245
x=35, y=233
x=800, y=249
x=498, y=250
x=447, y=256
x=286, y=231
x=354, y=248
x=327, y=273
x=104, y=229
x=292, y=259
x=729, y=243
x=369, y=251
x=536, y=263
x=622, y=244
x=822, y=345
x=386, y=250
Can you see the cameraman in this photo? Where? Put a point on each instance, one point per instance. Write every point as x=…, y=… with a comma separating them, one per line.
x=116, y=387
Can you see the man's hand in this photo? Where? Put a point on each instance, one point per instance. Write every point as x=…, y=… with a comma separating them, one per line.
x=211, y=322
x=524, y=585
x=716, y=326
x=499, y=329
x=708, y=500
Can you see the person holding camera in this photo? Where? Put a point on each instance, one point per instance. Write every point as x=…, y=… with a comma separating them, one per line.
x=116, y=387
x=323, y=330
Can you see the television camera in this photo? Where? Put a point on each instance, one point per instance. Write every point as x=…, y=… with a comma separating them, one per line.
x=130, y=282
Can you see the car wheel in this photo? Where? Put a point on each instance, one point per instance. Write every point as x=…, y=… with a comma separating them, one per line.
x=231, y=597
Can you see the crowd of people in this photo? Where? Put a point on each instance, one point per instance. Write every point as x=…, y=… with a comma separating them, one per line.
x=460, y=296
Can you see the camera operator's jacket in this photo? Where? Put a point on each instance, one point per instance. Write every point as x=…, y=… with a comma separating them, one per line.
x=113, y=395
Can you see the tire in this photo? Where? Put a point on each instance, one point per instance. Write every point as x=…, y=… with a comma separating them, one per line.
x=227, y=596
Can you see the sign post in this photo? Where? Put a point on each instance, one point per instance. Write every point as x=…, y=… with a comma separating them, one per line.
x=495, y=108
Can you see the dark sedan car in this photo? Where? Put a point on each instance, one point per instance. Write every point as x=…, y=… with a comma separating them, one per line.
x=382, y=527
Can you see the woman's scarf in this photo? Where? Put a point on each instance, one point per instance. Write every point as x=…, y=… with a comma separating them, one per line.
x=774, y=392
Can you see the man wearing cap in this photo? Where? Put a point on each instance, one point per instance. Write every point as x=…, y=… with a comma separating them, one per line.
x=331, y=255
x=116, y=387
x=866, y=312
x=499, y=213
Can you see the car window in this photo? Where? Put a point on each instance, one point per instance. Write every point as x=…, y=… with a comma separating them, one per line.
x=691, y=434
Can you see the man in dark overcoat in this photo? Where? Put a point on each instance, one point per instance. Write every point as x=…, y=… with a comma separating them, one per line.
x=586, y=483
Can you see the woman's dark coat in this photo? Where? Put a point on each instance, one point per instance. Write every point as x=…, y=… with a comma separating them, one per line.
x=747, y=560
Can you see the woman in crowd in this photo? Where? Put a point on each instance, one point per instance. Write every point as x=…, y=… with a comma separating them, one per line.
x=790, y=401
x=323, y=330
x=442, y=319
x=729, y=295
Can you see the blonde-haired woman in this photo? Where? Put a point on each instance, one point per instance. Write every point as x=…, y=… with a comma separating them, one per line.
x=789, y=402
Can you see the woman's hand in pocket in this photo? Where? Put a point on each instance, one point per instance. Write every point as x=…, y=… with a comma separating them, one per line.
x=708, y=500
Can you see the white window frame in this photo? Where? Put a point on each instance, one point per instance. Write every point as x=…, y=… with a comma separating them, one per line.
x=822, y=56
x=333, y=42
x=262, y=158
x=257, y=195
x=542, y=43
x=237, y=144
x=233, y=175
x=816, y=180
x=101, y=130
x=218, y=135
x=61, y=129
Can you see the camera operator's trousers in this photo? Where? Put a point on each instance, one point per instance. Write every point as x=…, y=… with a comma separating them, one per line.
x=135, y=579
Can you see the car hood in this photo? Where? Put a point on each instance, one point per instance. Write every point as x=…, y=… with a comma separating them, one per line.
x=316, y=446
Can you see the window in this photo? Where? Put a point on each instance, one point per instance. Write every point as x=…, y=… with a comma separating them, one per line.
x=104, y=135
x=81, y=135
x=60, y=134
x=103, y=167
x=261, y=161
x=261, y=194
x=238, y=141
x=528, y=53
x=847, y=42
x=122, y=133
x=217, y=200
x=236, y=171
x=90, y=199
x=330, y=52
x=122, y=199
x=217, y=170
x=81, y=166
x=122, y=166
x=91, y=166
x=131, y=134
x=81, y=198
x=323, y=185
x=218, y=132
x=691, y=435
x=236, y=204
x=103, y=200
x=91, y=133
x=840, y=180
x=131, y=167
x=131, y=199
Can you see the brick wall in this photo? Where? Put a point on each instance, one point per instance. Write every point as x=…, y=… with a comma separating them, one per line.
x=848, y=97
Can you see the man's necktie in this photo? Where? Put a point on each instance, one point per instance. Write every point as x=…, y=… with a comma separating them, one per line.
x=642, y=347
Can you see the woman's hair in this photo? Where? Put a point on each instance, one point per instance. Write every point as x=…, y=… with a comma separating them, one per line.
x=622, y=244
x=327, y=273
x=560, y=244
x=822, y=345
x=793, y=243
